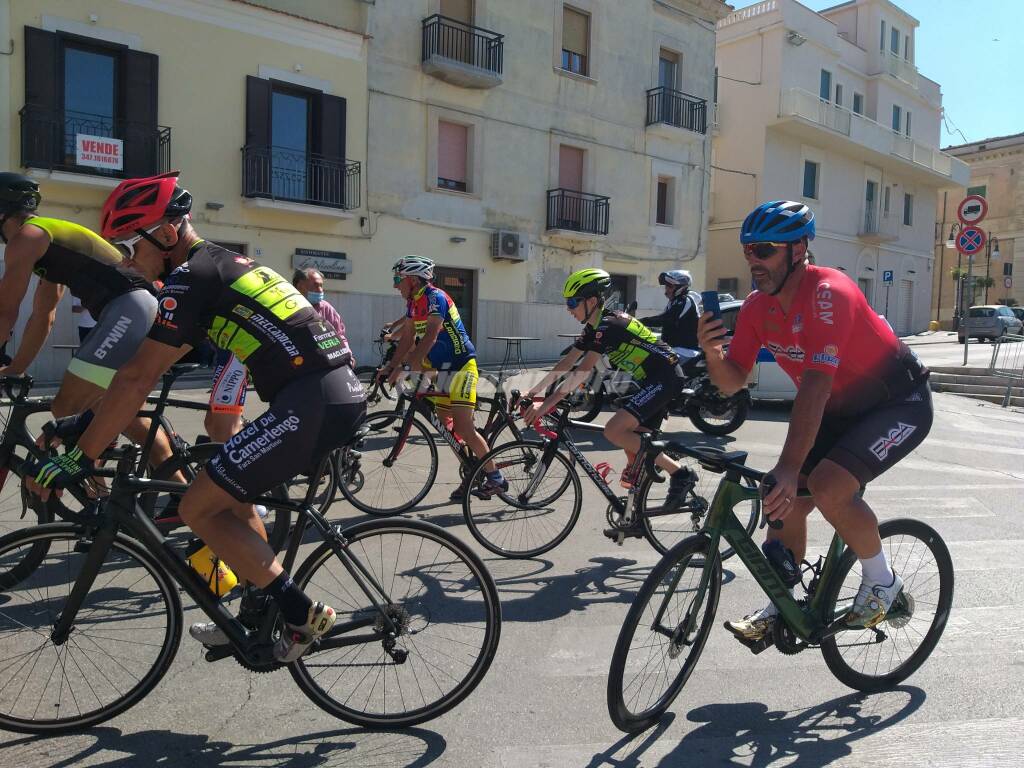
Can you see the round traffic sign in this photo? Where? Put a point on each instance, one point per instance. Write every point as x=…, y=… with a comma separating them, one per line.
x=972, y=209
x=970, y=241
x=1008, y=281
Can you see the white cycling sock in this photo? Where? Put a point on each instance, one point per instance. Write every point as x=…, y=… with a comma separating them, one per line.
x=876, y=570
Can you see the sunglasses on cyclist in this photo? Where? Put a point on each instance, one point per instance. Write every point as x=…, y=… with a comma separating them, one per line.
x=574, y=302
x=396, y=279
x=127, y=247
x=762, y=251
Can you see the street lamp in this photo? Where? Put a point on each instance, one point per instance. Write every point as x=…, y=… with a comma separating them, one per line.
x=991, y=251
x=958, y=293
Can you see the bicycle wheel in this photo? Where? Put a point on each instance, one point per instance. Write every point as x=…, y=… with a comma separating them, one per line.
x=19, y=510
x=123, y=640
x=879, y=658
x=156, y=504
x=664, y=527
x=532, y=516
x=445, y=604
x=384, y=489
x=653, y=658
x=377, y=395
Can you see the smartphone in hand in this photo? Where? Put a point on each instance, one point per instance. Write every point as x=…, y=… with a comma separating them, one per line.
x=709, y=299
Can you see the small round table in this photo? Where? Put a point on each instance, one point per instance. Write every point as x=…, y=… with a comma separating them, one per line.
x=513, y=351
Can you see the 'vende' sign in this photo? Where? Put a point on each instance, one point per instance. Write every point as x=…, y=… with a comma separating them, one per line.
x=99, y=152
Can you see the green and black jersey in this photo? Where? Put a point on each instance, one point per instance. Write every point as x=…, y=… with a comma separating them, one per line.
x=629, y=344
x=249, y=310
x=90, y=267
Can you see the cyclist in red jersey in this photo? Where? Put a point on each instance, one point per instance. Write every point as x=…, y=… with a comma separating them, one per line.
x=863, y=401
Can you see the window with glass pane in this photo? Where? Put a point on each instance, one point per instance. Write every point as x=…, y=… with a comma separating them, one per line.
x=894, y=41
x=810, y=180
x=906, y=47
x=90, y=95
x=897, y=117
x=825, y=85
x=668, y=70
x=839, y=95
x=452, y=146
x=575, y=41
x=289, y=137
x=886, y=194
x=665, y=203
x=881, y=42
x=908, y=210
x=907, y=126
x=858, y=103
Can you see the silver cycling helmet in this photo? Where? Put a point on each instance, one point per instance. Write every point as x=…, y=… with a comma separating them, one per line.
x=675, y=277
x=416, y=266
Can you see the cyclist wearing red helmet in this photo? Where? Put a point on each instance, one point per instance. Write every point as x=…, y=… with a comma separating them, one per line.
x=67, y=255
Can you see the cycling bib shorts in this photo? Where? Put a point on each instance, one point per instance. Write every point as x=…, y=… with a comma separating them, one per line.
x=122, y=325
x=230, y=379
x=459, y=387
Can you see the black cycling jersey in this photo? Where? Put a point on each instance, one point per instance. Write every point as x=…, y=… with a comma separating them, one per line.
x=678, y=322
x=629, y=345
x=88, y=265
x=249, y=310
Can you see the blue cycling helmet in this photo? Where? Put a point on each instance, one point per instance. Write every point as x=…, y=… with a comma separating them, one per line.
x=778, y=221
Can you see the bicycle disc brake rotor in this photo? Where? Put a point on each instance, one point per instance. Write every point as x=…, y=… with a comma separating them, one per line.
x=904, y=605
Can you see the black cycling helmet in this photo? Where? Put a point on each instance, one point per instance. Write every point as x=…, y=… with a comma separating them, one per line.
x=18, y=194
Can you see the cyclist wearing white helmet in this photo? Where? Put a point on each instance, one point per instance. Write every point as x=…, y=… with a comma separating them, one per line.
x=679, y=320
x=433, y=337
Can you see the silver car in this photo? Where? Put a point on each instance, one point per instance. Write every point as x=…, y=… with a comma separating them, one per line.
x=988, y=321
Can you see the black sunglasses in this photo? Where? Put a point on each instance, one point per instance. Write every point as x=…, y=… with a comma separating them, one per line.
x=762, y=251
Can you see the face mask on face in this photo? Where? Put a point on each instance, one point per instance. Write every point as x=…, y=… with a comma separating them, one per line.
x=315, y=297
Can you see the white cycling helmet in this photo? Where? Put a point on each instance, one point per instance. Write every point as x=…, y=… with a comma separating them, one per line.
x=416, y=266
x=675, y=277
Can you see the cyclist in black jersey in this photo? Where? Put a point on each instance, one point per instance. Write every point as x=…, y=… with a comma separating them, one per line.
x=678, y=322
x=631, y=347
x=297, y=362
x=67, y=255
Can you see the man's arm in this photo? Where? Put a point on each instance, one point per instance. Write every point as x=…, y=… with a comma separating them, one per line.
x=728, y=375
x=424, y=345
x=572, y=381
x=407, y=337
x=568, y=361
x=654, y=321
x=127, y=393
x=20, y=258
x=40, y=322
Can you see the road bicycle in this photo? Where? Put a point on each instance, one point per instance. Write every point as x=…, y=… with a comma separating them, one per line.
x=97, y=624
x=544, y=497
x=378, y=392
x=395, y=465
x=668, y=624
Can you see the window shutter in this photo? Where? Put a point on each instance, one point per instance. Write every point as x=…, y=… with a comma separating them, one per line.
x=141, y=142
x=574, y=31
x=41, y=131
x=329, y=176
x=570, y=168
x=257, y=112
x=451, y=151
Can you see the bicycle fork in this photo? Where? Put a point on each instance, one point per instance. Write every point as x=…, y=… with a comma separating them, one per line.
x=97, y=554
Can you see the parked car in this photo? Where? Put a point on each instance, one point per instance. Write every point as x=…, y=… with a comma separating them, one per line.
x=767, y=380
x=1019, y=312
x=988, y=321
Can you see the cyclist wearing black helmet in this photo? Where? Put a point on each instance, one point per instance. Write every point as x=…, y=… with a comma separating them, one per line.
x=678, y=322
x=64, y=254
x=862, y=402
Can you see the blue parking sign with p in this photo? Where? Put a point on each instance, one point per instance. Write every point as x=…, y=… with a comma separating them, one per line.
x=887, y=277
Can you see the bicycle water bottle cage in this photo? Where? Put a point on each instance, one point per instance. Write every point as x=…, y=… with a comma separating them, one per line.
x=603, y=469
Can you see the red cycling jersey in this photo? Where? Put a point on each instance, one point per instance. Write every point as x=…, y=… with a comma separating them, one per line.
x=830, y=328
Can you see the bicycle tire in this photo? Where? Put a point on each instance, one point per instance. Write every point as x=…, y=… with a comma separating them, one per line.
x=198, y=455
x=589, y=404
x=621, y=703
x=425, y=557
x=906, y=560
x=664, y=531
x=106, y=602
x=492, y=525
x=42, y=512
x=376, y=478
x=739, y=408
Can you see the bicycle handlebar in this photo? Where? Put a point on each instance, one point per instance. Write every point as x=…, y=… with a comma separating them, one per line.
x=16, y=387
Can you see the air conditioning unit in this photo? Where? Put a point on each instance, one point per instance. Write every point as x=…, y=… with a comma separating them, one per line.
x=508, y=245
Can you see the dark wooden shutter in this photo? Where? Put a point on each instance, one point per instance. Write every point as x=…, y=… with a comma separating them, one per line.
x=141, y=140
x=41, y=127
x=256, y=160
x=331, y=178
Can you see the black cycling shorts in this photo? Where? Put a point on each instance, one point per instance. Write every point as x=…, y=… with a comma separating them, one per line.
x=651, y=403
x=307, y=419
x=868, y=444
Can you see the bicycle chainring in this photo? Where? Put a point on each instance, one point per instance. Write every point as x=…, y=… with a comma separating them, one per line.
x=785, y=639
x=615, y=520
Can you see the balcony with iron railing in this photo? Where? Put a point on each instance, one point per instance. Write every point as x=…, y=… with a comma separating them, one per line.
x=462, y=54
x=878, y=227
x=50, y=140
x=572, y=211
x=807, y=112
x=294, y=176
x=666, y=106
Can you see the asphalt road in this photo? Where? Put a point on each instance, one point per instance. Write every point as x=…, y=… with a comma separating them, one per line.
x=543, y=701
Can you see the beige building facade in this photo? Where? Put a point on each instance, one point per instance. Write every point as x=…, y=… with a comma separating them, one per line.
x=829, y=108
x=997, y=174
x=513, y=142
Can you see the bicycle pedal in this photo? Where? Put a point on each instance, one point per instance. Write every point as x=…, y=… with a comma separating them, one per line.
x=218, y=652
x=754, y=646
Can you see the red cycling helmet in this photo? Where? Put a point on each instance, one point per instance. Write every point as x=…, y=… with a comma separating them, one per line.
x=138, y=204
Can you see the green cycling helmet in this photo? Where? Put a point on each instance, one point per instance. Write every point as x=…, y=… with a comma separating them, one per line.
x=586, y=282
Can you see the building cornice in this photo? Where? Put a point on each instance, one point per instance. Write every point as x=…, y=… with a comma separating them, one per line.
x=264, y=22
x=710, y=10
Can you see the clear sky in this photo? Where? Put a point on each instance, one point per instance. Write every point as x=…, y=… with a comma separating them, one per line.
x=968, y=48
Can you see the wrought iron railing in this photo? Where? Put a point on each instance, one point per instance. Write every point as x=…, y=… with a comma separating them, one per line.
x=682, y=110
x=49, y=139
x=577, y=211
x=462, y=42
x=1008, y=362
x=294, y=176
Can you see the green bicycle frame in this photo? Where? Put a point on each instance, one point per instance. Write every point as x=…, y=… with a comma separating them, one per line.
x=809, y=624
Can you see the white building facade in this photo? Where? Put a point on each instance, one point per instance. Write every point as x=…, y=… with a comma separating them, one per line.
x=829, y=108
